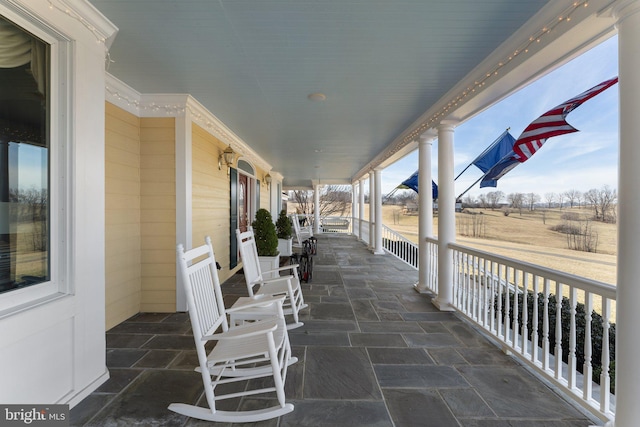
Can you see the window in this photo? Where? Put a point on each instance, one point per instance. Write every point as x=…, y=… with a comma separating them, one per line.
x=25, y=242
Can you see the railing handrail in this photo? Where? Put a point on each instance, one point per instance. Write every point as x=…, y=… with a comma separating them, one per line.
x=593, y=286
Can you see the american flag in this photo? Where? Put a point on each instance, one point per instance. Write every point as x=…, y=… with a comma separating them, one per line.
x=553, y=123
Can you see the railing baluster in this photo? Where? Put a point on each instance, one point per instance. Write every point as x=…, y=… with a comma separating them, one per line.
x=500, y=310
x=534, y=322
x=525, y=313
x=456, y=277
x=485, y=293
x=491, y=299
x=587, y=369
x=605, y=377
x=572, y=339
x=507, y=302
x=558, y=351
x=476, y=289
x=545, y=326
x=515, y=327
x=472, y=287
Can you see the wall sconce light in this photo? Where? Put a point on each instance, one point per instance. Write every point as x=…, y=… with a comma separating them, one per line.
x=227, y=156
x=267, y=179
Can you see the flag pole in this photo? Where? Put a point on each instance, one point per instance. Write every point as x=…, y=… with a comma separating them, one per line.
x=470, y=187
x=482, y=154
x=390, y=193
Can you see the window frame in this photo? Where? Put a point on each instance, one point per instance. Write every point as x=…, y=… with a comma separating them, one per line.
x=60, y=85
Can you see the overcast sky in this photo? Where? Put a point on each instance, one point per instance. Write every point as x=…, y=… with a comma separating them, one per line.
x=581, y=160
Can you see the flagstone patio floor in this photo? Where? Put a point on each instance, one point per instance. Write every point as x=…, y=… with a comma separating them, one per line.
x=372, y=352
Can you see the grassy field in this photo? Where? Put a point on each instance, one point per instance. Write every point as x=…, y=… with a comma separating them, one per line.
x=525, y=237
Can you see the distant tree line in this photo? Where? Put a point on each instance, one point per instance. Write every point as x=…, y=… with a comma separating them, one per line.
x=603, y=201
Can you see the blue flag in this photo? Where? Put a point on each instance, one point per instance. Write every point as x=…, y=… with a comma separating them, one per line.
x=412, y=183
x=500, y=169
x=499, y=148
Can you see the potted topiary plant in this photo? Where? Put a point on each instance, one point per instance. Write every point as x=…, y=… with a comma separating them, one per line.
x=285, y=232
x=264, y=231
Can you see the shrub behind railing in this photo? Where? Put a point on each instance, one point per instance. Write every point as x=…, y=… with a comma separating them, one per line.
x=580, y=316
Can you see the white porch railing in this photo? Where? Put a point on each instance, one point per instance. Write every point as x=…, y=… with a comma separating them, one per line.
x=399, y=246
x=572, y=319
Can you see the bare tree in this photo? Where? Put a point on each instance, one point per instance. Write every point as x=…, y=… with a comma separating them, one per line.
x=603, y=203
x=516, y=201
x=573, y=197
x=550, y=198
x=607, y=200
x=482, y=199
x=469, y=201
x=494, y=198
x=531, y=199
x=303, y=199
x=334, y=200
x=407, y=197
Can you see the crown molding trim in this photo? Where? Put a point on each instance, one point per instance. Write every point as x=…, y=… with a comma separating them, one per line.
x=177, y=105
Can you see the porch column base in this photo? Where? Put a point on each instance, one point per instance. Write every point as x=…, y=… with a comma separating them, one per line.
x=442, y=306
x=377, y=252
x=420, y=288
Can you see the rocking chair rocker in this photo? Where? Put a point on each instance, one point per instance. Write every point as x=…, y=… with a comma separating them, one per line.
x=253, y=350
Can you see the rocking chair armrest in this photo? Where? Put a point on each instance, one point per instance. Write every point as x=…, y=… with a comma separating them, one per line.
x=286, y=267
x=274, y=280
x=244, y=331
x=256, y=302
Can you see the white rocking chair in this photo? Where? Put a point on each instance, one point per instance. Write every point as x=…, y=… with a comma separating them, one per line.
x=287, y=285
x=253, y=350
x=301, y=233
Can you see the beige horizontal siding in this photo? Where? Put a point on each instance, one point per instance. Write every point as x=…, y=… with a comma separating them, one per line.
x=210, y=196
x=122, y=215
x=158, y=214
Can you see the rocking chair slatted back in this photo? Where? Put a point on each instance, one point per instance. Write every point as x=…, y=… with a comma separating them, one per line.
x=249, y=256
x=301, y=233
x=204, y=297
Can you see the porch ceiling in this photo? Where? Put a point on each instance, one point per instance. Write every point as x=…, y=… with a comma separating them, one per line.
x=252, y=63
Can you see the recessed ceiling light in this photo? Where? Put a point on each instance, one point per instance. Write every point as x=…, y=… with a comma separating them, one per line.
x=317, y=96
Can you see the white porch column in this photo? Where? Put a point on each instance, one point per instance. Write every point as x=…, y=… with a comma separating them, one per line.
x=361, y=208
x=354, y=209
x=425, y=210
x=372, y=192
x=446, y=216
x=316, y=209
x=378, y=250
x=628, y=291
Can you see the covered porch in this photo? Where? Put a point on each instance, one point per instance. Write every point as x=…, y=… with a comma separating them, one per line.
x=372, y=352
